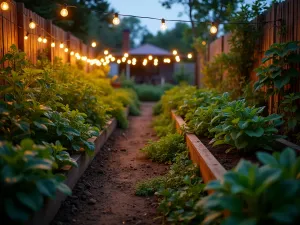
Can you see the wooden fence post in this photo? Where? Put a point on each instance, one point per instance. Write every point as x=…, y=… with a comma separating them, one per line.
x=49, y=30
x=20, y=22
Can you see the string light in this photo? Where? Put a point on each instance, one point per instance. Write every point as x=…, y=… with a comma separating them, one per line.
x=123, y=59
x=72, y=53
x=213, y=29
x=32, y=24
x=4, y=6
x=45, y=40
x=84, y=58
x=133, y=63
x=134, y=60
x=167, y=60
x=163, y=25
x=66, y=50
x=155, y=63
x=53, y=44
x=113, y=59
x=26, y=36
x=126, y=54
x=118, y=61
x=40, y=39
x=94, y=44
x=77, y=54
x=190, y=55
x=102, y=60
x=177, y=58
x=203, y=42
x=150, y=57
x=175, y=52
x=61, y=45
x=64, y=11
x=129, y=61
x=116, y=20
x=106, y=52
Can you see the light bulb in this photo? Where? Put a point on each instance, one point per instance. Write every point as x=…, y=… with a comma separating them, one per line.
x=150, y=57
x=133, y=63
x=32, y=25
x=177, y=58
x=45, y=40
x=129, y=61
x=72, y=53
x=94, y=44
x=66, y=49
x=116, y=20
x=203, y=42
x=76, y=54
x=4, y=6
x=155, y=63
x=163, y=25
x=113, y=59
x=190, y=55
x=123, y=59
x=40, y=39
x=61, y=45
x=213, y=29
x=64, y=12
x=105, y=52
x=52, y=44
x=83, y=58
x=134, y=60
x=118, y=61
x=126, y=54
x=175, y=52
x=26, y=36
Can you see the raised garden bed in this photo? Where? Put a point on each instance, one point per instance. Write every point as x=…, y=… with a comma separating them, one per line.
x=48, y=212
x=204, y=155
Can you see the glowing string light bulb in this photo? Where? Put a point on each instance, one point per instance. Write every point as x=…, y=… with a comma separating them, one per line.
x=40, y=39
x=116, y=20
x=163, y=25
x=106, y=52
x=175, y=52
x=118, y=61
x=150, y=57
x=32, y=24
x=177, y=58
x=203, y=42
x=4, y=6
x=26, y=36
x=53, y=44
x=123, y=59
x=66, y=50
x=126, y=54
x=45, y=40
x=94, y=44
x=64, y=11
x=129, y=61
x=190, y=55
x=61, y=45
x=213, y=29
x=72, y=53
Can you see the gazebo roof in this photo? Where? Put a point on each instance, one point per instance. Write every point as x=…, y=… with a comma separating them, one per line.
x=148, y=49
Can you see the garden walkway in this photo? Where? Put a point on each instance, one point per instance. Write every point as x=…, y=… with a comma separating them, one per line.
x=105, y=193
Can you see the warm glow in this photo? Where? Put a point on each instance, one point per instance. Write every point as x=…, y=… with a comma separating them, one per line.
x=150, y=57
x=126, y=54
x=98, y=63
x=26, y=36
x=40, y=39
x=53, y=44
x=109, y=56
x=105, y=52
x=118, y=61
x=213, y=29
x=116, y=20
x=104, y=64
x=190, y=55
x=167, y=60
x=134, y=60
x=102, y=60
x=4, y=6
x=78, y=57
x=72, y=53
x=129, y=61
x=123, y=59
x=94, y=44
x=113, y=59
x=66, y=49
x=77, y=54
x=64, y=12
x=45, y=40
x=175, y=52
x=155, y=64
x=133, y=63
x=83, y=58
x=163, y=25
x=61, y=45
x=177, y=58
x=32, y=25
x=203, y=42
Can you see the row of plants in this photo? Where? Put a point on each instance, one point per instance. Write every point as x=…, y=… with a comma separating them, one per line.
x=48, y=112
x=263, y=193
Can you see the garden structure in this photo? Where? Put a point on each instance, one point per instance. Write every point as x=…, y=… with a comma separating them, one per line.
x=75, y=150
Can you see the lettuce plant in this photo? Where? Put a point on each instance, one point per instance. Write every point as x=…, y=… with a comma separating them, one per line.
x=255, y=195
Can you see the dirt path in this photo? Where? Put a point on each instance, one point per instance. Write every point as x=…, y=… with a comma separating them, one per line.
x=105, y=193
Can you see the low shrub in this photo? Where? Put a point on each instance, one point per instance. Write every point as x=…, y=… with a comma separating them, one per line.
x=164, y=125
x=164, y=150
x=157, y=108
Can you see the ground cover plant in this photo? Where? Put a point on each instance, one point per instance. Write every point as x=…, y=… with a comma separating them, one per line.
x=57, y=107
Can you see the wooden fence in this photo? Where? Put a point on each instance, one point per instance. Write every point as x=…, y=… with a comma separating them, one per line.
x=289, y=14
x=14, y=26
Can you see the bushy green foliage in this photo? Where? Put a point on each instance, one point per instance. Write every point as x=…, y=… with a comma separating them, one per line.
x=164, y=125
x=165, y=149
x=26, y=180
x=257, y=195
x=147, y=92
x=157, y=108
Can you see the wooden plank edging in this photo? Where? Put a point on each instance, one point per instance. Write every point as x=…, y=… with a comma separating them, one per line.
x=51, y=207
x=210, y=167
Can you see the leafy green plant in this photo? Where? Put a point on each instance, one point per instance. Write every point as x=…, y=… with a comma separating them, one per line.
x=256, y=195
x=26, y=180
x=280, y=73
x=243, y=128
x=291, y=111
x=157, y=108
x=163, y=125
x=165, y=149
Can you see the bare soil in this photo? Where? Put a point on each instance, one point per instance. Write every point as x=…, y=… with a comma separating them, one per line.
x=105, y=194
